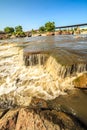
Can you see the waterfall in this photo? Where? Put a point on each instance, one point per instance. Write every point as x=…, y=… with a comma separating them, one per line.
x=35, y=59
x=58, y=70
x=52, y=66
x=45, y=77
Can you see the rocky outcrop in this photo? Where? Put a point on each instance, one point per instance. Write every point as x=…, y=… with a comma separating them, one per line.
x=81, y=81
x=4, y=36
x=8, y=120
x=58, y=114
x=29, y=119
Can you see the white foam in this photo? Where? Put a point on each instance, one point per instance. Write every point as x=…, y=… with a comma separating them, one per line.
x=33, y=80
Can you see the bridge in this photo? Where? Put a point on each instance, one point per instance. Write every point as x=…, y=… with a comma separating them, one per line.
x=70, y=29
x=71, y=26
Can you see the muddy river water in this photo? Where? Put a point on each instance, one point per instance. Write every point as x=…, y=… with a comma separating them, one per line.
x=68, y=51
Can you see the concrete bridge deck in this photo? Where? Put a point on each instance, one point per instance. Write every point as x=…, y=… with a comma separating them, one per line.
x=70, y=26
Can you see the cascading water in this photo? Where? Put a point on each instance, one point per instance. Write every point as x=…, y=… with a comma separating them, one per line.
x=46, y=73
x=25, y=77
x=35, y=59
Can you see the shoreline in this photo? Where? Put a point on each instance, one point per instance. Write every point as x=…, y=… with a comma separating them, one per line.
x=28, y=34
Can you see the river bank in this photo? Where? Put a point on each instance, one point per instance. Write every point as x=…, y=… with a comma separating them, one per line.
x=4, y=35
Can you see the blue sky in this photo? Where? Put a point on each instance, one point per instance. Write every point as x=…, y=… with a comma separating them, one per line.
x=35, y=13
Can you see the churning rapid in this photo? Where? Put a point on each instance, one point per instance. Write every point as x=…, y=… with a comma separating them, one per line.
x=43, y=67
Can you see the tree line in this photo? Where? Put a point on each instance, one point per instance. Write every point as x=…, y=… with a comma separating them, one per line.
x=18, y=30
x=48, y=27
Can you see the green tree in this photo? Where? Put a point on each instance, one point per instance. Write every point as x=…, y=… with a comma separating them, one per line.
x=20, y=34
x=42, y=29
x=50, y=26
x=8, y=29
x=18, y=29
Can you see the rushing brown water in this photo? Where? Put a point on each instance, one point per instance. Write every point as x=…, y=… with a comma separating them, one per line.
x=62, y=46
x=67, y=50
x=74, y=103
x=50, y=65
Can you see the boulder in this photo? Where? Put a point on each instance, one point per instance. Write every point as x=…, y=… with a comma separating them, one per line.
x=81, y=81
x=2, y=36
x=29, y=119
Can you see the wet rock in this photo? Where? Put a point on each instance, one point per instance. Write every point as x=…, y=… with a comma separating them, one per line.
x=73, y=104
x=3, y=112
x=8, y=120
x=27, y=119
x=63, y=120
x=81, y=81
x=38, y=103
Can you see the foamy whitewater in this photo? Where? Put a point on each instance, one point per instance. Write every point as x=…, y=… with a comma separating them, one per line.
x=19, y=83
